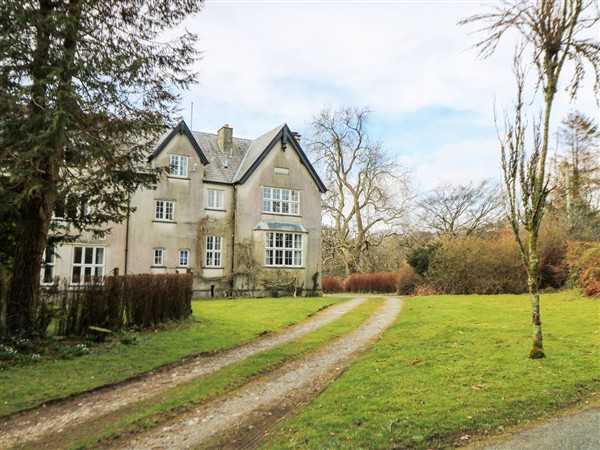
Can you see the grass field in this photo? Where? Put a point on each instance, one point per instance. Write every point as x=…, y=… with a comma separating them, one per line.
x=154, y=411
x=452, y=370
x=215, y=325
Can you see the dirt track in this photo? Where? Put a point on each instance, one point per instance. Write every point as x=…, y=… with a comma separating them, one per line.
x=31, y=425
x=240, y=419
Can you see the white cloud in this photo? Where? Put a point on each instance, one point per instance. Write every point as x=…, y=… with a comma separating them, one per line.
x=456, y=164
x=268, y=63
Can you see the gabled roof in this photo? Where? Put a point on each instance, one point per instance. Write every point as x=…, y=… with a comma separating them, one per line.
x=255, y=153
x=246, y=155
x=180, y=128
x=261, y=147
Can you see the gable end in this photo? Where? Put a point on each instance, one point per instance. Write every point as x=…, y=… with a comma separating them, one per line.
x=180, y=128
x=286, y=137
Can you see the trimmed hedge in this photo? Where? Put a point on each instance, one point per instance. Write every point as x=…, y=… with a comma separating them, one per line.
x=127, y=301
x=382, y=283
x=332, y=285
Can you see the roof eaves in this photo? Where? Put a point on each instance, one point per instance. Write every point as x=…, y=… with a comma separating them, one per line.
x=305, y=161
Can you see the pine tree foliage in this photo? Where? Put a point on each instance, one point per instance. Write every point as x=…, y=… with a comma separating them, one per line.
x=86, y=87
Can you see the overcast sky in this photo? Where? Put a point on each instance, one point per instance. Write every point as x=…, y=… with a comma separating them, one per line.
x=265, y=63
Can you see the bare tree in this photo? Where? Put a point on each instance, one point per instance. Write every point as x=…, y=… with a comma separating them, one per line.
x=575, y=198
x=368, y=192
x=453, y=210
x=580, y=163
x=550, y=31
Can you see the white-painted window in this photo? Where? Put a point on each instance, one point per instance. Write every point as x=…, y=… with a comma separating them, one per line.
x=281, y=201
x=283, y=249
x=184, y=258
x=214, y=251
x=88, y=264
x=215, y=199
x=49, y=264
x=159, y=257
x=70, y=209
x=164, y=210
x=179, y=166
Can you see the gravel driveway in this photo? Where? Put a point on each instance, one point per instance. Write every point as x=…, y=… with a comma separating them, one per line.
x=33, y=424
x=240, y=419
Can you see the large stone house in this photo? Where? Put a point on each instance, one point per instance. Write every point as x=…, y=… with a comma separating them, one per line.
x=243, y=215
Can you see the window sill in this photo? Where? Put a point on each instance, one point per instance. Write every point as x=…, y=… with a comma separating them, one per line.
x=215, y=209
x=158, y=267
x=284, y=267
x=213, y=267
x=163, y=221
x=175, y=177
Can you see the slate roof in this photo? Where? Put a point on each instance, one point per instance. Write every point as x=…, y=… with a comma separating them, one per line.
x=258, y=146
x=222, y=166
x=235, y=166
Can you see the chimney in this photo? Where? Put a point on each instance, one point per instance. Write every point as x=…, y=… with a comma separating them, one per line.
x=297, y=136
x=225, y=138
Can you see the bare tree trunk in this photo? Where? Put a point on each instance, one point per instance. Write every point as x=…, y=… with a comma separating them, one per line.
x=537, y=349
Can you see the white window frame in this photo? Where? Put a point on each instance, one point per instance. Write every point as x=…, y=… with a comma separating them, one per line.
x=164, y=210
x=214, y=198
x=184, y=258
x=281, y=201
x=49, y=265
x=64, y=209
x=158, y=257
x=88, y=268
x=284, y=249
x=178, y=166
x=213, y=251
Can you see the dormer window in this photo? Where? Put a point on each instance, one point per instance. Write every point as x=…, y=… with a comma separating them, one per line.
x=179, y=166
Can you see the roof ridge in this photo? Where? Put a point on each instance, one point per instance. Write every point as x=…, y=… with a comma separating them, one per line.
x=206, y=133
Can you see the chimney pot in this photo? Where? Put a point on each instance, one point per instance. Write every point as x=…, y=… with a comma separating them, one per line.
x=297, y=136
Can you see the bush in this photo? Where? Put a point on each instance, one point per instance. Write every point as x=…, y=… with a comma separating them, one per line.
x=583, y=259
x=478, y=266
x=592, y=289
x=408, y=281
x=117, y=302
x=332, y=285
x=420, y=258
x=552, y=252
x=384, y=283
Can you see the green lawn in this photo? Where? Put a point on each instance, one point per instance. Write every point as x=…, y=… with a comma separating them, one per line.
x=154, y=411
x=216, y=324
x=452, y=367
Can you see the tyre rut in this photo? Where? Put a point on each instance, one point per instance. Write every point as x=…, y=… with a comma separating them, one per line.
x=241, y=418
x=32, y=425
